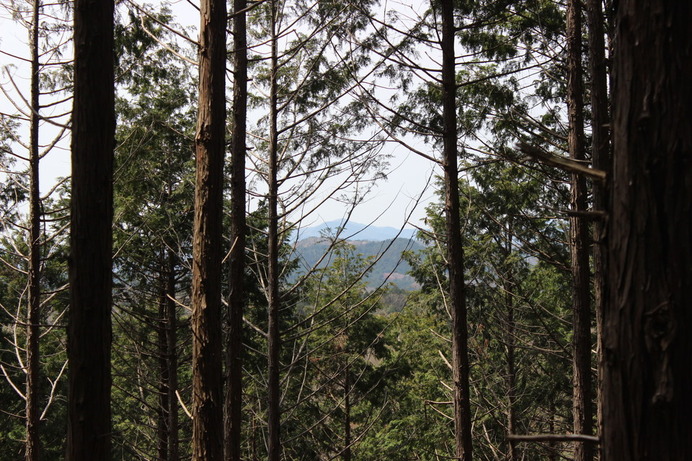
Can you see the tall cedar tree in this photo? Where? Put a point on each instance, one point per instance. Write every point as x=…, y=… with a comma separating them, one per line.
x=600, y=154
x=273, y=334
x=455, y=251
x=207, y=405
x=91, y=239
x=33, y=447
x=237, y=297
x=646, y=399
x=579, y=239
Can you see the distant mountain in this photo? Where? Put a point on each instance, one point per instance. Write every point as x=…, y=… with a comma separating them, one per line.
x=311, y=249
x=355, y=231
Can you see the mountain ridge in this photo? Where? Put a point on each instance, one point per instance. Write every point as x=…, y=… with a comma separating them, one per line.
x=353, y=231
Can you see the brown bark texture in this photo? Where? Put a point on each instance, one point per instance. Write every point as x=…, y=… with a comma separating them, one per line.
x=236, y=300
x=455, y=251
x=579, y=240
x=647, y=403
x=33, y=444
x=600, y=154
x=207, y=392
x=91, y=242
x=273, y=300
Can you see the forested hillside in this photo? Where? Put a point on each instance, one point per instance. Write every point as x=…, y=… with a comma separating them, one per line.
x=387, y=258
x=171, y=298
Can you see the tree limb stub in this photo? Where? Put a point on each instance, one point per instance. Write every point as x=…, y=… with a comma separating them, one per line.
x=563, y=163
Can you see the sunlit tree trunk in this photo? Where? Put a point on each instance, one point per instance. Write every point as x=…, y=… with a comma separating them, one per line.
x=91, y=239
x=646, y=391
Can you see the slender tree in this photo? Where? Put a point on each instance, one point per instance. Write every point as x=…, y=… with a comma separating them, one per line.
x=237, y=297
x=455, y=250
x=646, y=399
x=91, y=241
x=273, y=278
x=33, y=444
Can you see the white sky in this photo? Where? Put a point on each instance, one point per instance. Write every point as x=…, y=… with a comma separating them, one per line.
x=391, y=203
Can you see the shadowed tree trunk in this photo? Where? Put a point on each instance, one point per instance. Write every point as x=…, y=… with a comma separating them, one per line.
x=207, y=392
x=600, y=152
x=171, y=320
x=274, y=340
x=647, y=342
x=455, y=251
x=579, y=240
x=91, y=239
x=168, y=448
x=236, y=301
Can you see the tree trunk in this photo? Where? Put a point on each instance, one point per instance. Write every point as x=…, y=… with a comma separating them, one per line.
x=455, y=251
x=274, y=339
x=509, y=287
x=207, y=406
x=347, y=413
x=162, y=346
x=236, y=301
x=168, y=359
x=171, y=319
x=579, y=240
x=600, y=152
x=33, y=445
x=91, y=240
x=646, y=391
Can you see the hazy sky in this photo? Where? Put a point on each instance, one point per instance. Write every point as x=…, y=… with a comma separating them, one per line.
x=390, y=203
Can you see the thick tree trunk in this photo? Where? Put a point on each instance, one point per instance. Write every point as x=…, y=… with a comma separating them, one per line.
x=207, y=405
x=579, y=241
x=455, y=251
x=274, y=339
x=600, y=153
x=91, y=240
x=33, y=452
x=237, y=297
x=646, y=394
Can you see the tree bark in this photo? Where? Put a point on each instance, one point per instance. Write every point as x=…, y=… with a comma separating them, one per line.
x=164, y=403
x=171, y=323
x=455, y=251
x=33, y=444
x=646, y=391
x=237, y=297
x=579, y=240
x=91, y=240
x=207, y=405
x=274, y=340
x=168, y=441
x=509, y=289
x=600, y=153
